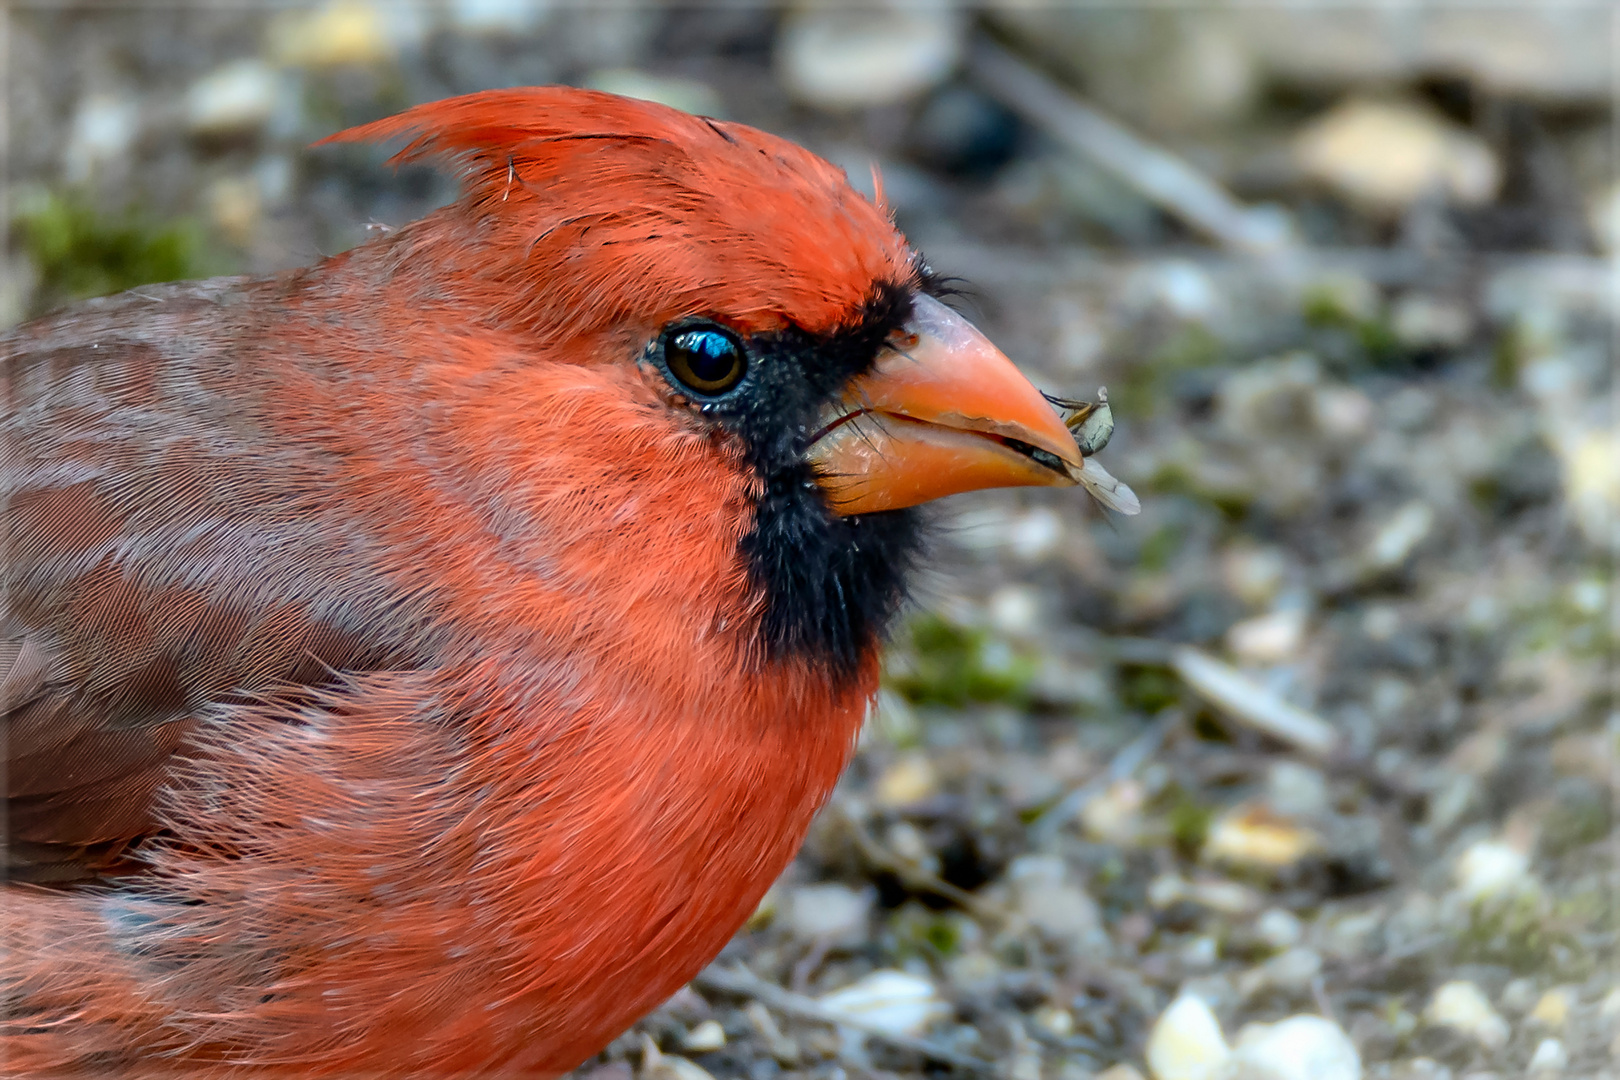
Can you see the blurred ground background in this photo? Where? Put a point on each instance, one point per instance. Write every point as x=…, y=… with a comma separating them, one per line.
x=1327, y=732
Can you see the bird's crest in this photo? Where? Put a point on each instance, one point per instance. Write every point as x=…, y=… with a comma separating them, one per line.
x=668, y=213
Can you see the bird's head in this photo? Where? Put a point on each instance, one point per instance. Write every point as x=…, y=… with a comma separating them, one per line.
x=762, y=301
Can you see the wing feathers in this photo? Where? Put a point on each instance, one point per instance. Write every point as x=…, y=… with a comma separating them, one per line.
x=164, y=551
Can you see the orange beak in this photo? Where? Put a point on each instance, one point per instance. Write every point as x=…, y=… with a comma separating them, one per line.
x=941, y=412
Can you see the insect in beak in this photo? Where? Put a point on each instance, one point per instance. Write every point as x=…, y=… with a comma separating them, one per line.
x=1092, y=425
x=1090, y=422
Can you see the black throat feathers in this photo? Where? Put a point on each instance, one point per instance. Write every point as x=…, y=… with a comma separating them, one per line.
x=830, y=585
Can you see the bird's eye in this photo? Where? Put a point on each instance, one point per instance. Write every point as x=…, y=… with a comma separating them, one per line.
x=704, y=359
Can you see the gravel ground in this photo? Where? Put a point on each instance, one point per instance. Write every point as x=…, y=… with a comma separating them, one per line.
x=1327, y=731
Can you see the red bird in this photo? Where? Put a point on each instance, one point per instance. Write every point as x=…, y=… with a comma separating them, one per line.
x=422, y=662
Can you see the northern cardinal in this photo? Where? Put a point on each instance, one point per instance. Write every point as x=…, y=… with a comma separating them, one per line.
x=422, y=662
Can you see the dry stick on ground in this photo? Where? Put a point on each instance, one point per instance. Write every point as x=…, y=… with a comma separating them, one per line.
x=912, y=876
x=1125, y=763
x=1249, y=703
x=1164, y=178
x=740, y=982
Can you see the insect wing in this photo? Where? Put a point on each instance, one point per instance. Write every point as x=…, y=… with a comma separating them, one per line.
x=1105, y=488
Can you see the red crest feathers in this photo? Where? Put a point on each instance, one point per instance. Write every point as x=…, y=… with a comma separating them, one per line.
x=593, y=210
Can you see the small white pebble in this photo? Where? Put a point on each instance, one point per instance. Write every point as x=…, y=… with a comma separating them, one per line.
x=240, y=96
x=1297, y=790
x=707, y=1036
x=1492, y=868
x=1115, y=815
x=496, y=16
x=763, y=1022
x=103, y=129
x=235, y=206
x=1026, y=1062
x=338, y=33
x=1590, y=596
x=1252, y=835
x=1592, y=479
x=1166, y=889
x=1462, y=1006
x=1550, y=1057
x=910, y=779
x=1298, y=1048
x=1426, y=321
x=1291, y=970
x=1266, y=396
x=1054, y=905
x=1182, y=288
x=1519, y=996
x=688, y=95
x=1383, y=155
x=1200, y=952
x=1381, y=622
x=1015, y=610
x=1121, y=1071
x=657, y=1066
x=1226, y=897
x=906, y=841
x=781, y=1047
x=836, y=58
x=1253, y=575
x=1345, y=937
x=1553, y=1008
x=972, y=967
x=828, y=912
x=1342, y=412
x=1610, y=1008
x=1267, y=639
x=1279, y=928
x=1055, y=1020
x=1400, y=535
x=1186, y=1042
x=893, y=1001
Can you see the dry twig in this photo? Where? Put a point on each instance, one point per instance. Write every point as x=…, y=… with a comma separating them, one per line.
x=1164, y=178
x=1125, y=763
x=740, y=982
x=1249, y=703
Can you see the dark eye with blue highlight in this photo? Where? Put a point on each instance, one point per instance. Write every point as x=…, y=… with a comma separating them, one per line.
x=706, y=360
